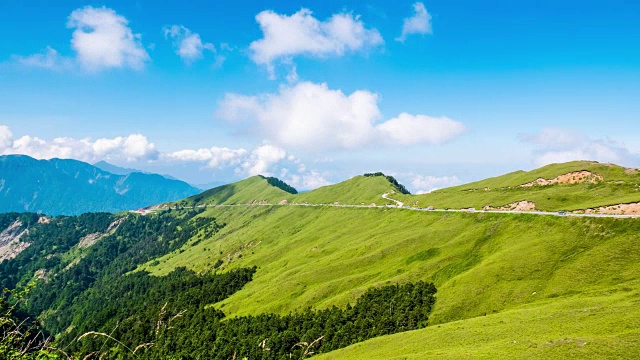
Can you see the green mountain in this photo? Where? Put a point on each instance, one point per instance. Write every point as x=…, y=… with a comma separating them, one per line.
x=72, y=187
x=573, y=186
x=280, y=281
x=260, y=189
x=253, y=189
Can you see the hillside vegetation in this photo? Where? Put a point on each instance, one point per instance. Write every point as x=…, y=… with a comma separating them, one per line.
x=524, y=272
x=608, y=185
x=508, y=285
x=601, y=327
x=258, y=189
x=575, y=186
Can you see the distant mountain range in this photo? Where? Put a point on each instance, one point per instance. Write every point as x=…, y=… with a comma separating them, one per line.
x=71, y=187
x=117, y=170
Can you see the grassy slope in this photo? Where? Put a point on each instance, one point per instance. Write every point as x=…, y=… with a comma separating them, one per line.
x=255, y=188
x=481, y=263
x=619, y=186
x=605, y=327
x=551, y=283
x=356, y=190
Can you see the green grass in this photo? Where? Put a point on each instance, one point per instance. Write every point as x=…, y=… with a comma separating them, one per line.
x=255, y=188
x=599, y=327
x=609, y=172
x=357, y=190
x=481, y=263
x=560, y=287
x=619, y=186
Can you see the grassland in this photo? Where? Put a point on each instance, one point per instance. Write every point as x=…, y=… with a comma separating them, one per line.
x=600, y=327
x=558, y=287
x=619, y=185
x=357, y=190
x=481, y=263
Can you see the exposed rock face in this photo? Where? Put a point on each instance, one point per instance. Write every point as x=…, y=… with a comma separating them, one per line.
x=91, y=239
x=621, y=209
x=516, y=206
x=44, y=220
x=10, y=244
x=576, y=177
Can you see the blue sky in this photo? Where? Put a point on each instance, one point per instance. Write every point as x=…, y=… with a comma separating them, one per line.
x=319, y=91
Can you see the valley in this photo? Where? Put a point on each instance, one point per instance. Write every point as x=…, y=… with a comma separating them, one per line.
x=546, y=283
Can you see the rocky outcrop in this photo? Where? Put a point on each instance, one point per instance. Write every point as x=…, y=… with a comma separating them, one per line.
x=91, y=239
x=10, y=244
x=516, y=206
x=620, y=209
x=576, y=177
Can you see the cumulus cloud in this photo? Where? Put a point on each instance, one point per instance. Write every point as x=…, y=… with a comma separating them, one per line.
x=307, y=180
x=286, y=36
x=214, y=157
x=419, y=23
x=49, y=59
x=129, y=148
x=312, y=116
x=421, y=184
x=554, y=145
x=6, y=137
x=187, y=44
x=265, y=159
x=102, y=39
x=262, y=159
x=407, y=129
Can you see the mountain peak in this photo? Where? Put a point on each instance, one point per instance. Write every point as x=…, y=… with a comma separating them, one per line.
x=70, y=187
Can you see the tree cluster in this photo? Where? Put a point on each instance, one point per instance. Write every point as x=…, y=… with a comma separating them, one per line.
x=281, y=185
x=201, y=332
x=401, y=188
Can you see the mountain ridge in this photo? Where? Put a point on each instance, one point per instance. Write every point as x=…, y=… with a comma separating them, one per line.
x=509, y=285
x=68, y=187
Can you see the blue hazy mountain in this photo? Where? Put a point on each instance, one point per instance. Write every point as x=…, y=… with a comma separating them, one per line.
x=117, y=170
x=70, y=187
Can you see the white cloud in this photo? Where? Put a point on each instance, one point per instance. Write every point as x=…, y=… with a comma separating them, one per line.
x=312, y=116
x=214, y=157
x=137, y=146
x=49, y=59
x=287, y=36
x=262, y=159
x=421, y=184
x=6, y=137
x=419, y=23
x=307, y=181
x=130, y=148
x=102, y=39
x=292, y=76
x=407, y=129
x=188, y=45
x=555, y=138
x=554, y=145
x=265, y=159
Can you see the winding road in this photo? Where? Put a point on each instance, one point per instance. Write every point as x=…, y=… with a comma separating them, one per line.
x=400, y=205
